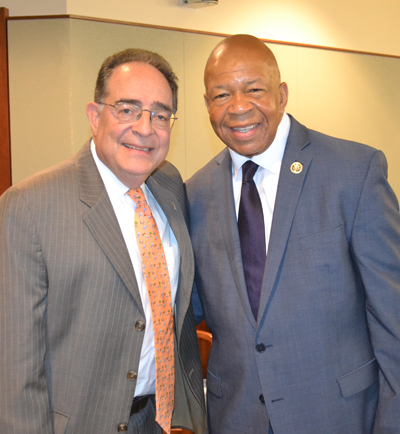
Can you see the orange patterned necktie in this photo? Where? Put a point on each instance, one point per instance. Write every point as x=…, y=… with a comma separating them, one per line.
x=156, y=275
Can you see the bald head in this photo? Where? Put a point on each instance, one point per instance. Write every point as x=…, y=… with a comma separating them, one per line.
x=244, y=95
x=238, y=51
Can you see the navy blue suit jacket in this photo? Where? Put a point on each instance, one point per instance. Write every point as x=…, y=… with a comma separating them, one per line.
x=329, y=317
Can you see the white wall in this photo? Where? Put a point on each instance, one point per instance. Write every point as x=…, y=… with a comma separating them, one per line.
x=364, y=25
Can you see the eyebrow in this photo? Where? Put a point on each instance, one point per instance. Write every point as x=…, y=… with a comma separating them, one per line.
x=156, y=105
x=130, y=101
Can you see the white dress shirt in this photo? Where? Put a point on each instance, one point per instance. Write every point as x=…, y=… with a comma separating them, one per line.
x=267, y=176
x=124, y=208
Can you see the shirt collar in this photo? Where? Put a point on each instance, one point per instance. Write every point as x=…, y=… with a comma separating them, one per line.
x=115, y=188
x=271, y=158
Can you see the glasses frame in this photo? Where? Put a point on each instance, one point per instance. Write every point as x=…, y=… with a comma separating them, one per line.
x=152, y=114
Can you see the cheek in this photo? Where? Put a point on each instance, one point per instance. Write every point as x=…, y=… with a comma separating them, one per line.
x=270, y=110
x=164, y=146
x=217, y=125
x=216, y=115
x=105, y=135
x=164, y=142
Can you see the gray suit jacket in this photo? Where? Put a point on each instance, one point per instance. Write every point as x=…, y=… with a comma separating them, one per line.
x=69, y=303
x=324, y=354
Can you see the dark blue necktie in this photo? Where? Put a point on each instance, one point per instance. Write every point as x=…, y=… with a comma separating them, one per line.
x=252, y=235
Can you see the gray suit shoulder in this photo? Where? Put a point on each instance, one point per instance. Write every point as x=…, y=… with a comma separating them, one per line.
x=47, y=176
x=63, y=180
x=167, y=171
x=168, y=176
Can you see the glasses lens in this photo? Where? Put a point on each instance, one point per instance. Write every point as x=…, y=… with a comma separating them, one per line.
x=162, y=119
x=127, y=112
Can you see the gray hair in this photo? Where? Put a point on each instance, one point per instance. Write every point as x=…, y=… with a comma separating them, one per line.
x=135, y=55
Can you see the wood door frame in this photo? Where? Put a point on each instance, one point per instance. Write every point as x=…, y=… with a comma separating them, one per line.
x=5, y=143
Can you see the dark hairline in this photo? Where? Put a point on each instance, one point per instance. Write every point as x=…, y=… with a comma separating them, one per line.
x=140, y=56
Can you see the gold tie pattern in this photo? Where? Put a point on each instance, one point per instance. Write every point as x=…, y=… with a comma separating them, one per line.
x=156, y=275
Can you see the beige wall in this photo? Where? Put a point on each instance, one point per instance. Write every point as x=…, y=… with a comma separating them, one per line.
x=353, y=24
x=39, y=73
x=361, y=25
x=54, y=63
x=35, y=7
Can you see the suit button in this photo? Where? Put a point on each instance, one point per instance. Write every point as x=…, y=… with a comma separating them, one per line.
x=132, y=375
x=261, y=398
x=122, y=427
x=260, y=348
x=139, y=326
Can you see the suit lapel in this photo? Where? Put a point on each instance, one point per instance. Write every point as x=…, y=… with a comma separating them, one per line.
x=168, y=203
x=227, y=223
x=102, y=221
x=289, y=190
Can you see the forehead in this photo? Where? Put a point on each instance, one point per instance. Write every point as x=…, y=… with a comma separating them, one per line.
x=237, y=73
x=235, y=59
x=138, y=81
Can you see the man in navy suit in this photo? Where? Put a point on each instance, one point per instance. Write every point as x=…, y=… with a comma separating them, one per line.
x=300, y=285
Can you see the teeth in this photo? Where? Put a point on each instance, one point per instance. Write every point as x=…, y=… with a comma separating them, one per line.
x=135, y=148
x=245, y=130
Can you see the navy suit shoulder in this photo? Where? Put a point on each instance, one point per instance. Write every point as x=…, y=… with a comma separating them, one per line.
x=210, y=167
x=341, y=149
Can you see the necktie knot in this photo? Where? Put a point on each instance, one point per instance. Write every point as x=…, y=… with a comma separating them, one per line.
x=249, y=169
x=137, y=195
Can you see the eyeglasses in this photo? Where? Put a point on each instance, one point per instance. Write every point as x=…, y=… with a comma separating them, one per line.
x=126, y=113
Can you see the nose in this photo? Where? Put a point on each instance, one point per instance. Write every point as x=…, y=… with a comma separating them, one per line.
x=143, y=125
x=240, y=104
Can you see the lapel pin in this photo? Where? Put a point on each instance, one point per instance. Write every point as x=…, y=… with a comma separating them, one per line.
x=296, y=167
x=173, y=205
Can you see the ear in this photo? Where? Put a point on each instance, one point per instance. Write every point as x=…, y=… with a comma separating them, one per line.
x=207, y=101
x=93, y=113
x=284, y=95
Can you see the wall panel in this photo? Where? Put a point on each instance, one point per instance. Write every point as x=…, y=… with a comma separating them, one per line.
x=54, y=63
x=40, y=86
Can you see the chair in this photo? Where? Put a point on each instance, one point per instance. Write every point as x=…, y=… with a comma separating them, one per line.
x=180, y=431
x=203, y=326
x=205, y=342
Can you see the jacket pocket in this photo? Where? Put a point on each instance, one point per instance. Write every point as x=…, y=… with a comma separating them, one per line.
x=359, y=379
x=60, y=422
x=324, y=238
x=214, y=384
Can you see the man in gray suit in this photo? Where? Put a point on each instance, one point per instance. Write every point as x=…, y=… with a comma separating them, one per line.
x=304, y=303
x=77, y=352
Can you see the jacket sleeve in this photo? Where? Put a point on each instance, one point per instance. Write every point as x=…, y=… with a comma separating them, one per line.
x=376, y=249
x=24, y=396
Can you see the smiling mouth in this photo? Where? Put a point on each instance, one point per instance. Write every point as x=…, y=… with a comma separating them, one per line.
x=245, y=129
x=135, y=148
